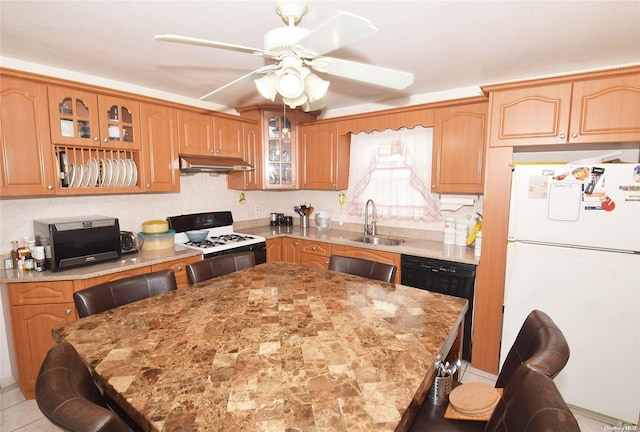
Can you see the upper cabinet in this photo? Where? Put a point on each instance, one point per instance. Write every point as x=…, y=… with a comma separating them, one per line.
x=459, y=135
x=588, y=111
x=324, y=156
x=26, y=158
x=252, y=154
x=85, y=119
x=279, y=143
x=208, y=135
x=160, y=151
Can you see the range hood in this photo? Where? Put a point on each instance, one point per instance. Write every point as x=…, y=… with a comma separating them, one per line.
x=192, y=164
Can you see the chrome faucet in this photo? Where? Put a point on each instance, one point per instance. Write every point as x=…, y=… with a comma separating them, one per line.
x=370, y=228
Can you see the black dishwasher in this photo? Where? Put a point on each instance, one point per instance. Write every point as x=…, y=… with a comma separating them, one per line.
x=444, y=277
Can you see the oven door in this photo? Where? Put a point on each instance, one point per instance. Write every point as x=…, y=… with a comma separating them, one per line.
x=258, y=249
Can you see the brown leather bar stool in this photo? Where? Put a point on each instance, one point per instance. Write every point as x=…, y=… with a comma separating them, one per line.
x=363, y=267
x=116, y=293
x=67, y=395
x=540, y=344
x=219, y=265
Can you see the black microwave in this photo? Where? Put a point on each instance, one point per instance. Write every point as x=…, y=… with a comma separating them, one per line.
x=78, y=241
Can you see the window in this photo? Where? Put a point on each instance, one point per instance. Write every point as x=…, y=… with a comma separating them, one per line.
x=393, y=168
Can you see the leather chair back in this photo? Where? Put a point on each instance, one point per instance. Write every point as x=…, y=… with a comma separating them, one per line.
x=219, y=265
x=116, y=293
x=531, y=403
x=67, y=395
x=363, y=267
x=541, y=344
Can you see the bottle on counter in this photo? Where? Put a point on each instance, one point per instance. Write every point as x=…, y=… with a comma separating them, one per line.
x=40, y=259
x=478, y=244
x=15, y=255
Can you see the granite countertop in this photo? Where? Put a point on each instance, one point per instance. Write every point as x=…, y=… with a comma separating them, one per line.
x=275, y=347
x=413, y=244
x=126, y=262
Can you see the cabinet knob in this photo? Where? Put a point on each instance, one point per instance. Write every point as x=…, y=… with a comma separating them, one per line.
x=562, y=136
x=96, y=139
x=433, y=186
x=313, y=248
x=333, y=185
x=50, y=187
x=179, y=268
x=67, y=311
x=106, y=140
x=148, y=186
x=574, y=135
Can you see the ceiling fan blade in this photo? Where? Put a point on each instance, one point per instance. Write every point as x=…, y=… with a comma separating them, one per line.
x=376, y=75
x=208, y=43
x=342, y=30
x=229, y=93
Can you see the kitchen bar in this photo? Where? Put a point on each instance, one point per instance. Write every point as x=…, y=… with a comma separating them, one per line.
x=276, y=347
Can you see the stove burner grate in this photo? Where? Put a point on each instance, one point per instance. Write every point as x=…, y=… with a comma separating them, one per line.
x=220, y=240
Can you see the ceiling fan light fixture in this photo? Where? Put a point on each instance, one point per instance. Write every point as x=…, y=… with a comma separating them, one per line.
x=267, y=86
x=295, y=102
x=315, y=87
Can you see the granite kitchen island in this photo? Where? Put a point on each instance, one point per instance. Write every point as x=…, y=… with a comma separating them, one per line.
x=278, y=347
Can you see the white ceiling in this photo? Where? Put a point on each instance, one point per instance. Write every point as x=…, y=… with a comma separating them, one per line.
x=446, y=44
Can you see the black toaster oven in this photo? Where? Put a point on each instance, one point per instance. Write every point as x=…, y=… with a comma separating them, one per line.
x=78, y=241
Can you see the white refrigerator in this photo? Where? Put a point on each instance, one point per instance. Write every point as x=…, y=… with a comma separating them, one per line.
x=574, y=253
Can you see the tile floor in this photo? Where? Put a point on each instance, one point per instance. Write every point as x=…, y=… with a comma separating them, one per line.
x=20, y=415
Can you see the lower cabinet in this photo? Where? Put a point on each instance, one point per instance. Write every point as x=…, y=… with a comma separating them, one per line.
x=37, y=307
x=179, y=267
x=375, y=255
x=315, y=254
x=274, y=249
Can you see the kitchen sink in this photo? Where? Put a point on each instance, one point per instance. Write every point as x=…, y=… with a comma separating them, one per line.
x=379, y=240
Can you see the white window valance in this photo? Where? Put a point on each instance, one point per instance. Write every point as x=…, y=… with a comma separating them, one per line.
x=394, y=169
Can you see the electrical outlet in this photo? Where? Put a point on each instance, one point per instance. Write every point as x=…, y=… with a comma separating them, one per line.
x=257, y=208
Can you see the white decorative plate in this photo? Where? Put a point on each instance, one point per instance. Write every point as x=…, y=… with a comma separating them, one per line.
x=95, y=172
x=72, y=175
x=79, y=174
x=115, y=172
x=107, y=171
x=122, y=179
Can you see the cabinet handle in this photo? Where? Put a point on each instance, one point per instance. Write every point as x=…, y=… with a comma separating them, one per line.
x=148, y=186
x=313, y=248
x=433, y=186
x=67, y=311
x=50, y=187
x=105, y=140
x=179, y=268
x=96, y=139
x=574, y=135
x=562, y=136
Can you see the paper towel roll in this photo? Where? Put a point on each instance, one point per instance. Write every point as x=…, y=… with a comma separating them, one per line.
x=451, y=200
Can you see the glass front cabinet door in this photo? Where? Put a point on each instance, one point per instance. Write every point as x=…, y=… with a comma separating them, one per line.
x=85, y=119
x=280, y=160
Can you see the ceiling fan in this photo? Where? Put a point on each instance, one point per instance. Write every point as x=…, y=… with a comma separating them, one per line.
x=295, y=51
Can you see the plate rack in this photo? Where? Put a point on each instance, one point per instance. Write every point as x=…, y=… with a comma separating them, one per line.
x=98, y=170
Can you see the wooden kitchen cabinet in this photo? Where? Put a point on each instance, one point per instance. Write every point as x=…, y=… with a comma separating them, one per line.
x=459, y=136
x=195, y=133
x=291, y=250
x=85, y=119
x=279, y=133
x=274, y=249
x=252, y=154
x=229, y=137
x=160, y=150
x=26, y=158
x=606, y=110
x=37, y=307
x=315, y=254
x=179, y=268
x=324, y=156
x=370, y=254
x=583, y=111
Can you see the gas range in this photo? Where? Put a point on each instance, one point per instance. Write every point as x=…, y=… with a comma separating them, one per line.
x=221, y=238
